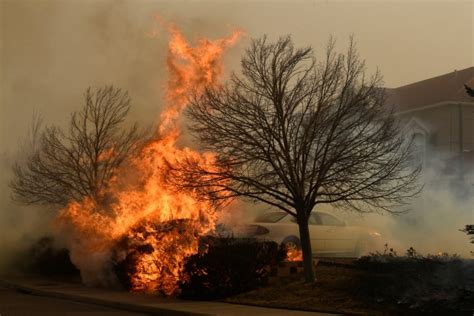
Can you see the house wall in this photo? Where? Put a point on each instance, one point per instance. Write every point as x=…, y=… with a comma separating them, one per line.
x=442, y=127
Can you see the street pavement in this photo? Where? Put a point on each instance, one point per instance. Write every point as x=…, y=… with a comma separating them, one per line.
x=16, y=303
x=33, y=296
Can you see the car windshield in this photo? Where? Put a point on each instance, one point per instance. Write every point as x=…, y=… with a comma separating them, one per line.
x=270, y=217
x=329, y=220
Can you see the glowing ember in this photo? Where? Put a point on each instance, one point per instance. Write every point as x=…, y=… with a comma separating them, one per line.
x=294, y=255
x=146, y=220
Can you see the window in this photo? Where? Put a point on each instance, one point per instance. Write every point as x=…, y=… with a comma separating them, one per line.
x=419, y=144
x=270, y=217
x=416, y=132
x=314, y=219
x=329, y=220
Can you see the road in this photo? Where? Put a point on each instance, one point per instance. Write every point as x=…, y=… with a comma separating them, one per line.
x=14, y=303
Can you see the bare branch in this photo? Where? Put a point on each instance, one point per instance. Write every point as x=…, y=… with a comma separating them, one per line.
x=61, y=167
x=295, y=132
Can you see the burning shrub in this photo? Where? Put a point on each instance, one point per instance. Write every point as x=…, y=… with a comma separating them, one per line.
x=431, y=283
x=140, y=265
x=149, y=256
x=230, y=266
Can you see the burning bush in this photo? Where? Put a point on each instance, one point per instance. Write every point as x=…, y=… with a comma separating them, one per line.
x=229, y=266
x=431, y=283
x=140, y=265
x=150, y=223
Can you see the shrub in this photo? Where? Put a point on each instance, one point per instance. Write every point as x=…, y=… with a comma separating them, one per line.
x=431, y=283
x=141, y=241
x=469, y=230
x=230, y=266
x=44, y=258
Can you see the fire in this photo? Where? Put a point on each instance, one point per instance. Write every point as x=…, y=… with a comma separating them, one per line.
x=294, y=255
x=145, y=220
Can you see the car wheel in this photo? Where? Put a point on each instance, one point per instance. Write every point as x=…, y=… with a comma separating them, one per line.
x=291, y=243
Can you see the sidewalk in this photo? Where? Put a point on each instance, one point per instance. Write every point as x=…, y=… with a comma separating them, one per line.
x=139, y=302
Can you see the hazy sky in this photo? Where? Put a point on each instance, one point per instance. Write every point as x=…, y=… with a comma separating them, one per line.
x=51, y=51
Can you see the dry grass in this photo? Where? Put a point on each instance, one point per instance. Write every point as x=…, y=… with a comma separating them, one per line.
x=337, y=290
x=331, y=292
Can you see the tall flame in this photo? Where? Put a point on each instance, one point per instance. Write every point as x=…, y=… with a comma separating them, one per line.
x=144, y=209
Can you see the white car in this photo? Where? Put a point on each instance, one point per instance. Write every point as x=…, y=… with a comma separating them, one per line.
x=330, y=236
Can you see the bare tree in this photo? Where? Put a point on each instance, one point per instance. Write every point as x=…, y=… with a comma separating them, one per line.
x=61, y=167
x=293, y=133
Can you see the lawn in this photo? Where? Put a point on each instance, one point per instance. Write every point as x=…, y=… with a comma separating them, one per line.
x=376, y=286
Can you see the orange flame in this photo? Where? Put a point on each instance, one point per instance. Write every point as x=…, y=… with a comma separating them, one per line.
x=294, y=255
x=192, y=69
x=141, y=202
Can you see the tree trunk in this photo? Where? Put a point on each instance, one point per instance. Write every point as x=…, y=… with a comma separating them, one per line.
x=306, y=247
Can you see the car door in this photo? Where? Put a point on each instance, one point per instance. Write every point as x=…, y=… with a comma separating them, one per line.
x=317, y=235
x=338, y=240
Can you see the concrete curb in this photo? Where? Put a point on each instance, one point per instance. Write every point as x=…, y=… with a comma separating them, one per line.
x=152, y=310
x=143, y=303
x=323, y=311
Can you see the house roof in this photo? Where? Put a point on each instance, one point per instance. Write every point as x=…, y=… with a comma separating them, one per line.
x=447, y=87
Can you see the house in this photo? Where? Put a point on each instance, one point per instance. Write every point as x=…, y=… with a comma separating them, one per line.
x=439, y=115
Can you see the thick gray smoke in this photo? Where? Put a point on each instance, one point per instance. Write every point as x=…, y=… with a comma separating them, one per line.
x=432, y=224
x=20, y=226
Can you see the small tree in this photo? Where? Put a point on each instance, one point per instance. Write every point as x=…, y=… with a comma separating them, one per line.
x=469, y=230
x=61, y=167
x=293, y=133
x=469, y=90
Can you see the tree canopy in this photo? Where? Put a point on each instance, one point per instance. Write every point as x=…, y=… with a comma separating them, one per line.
x=294, y=132
x=63, y=166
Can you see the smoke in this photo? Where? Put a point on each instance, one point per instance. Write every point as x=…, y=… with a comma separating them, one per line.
x=96, y=267
x=20, y=226
x=53, y=50
x=431, y=226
